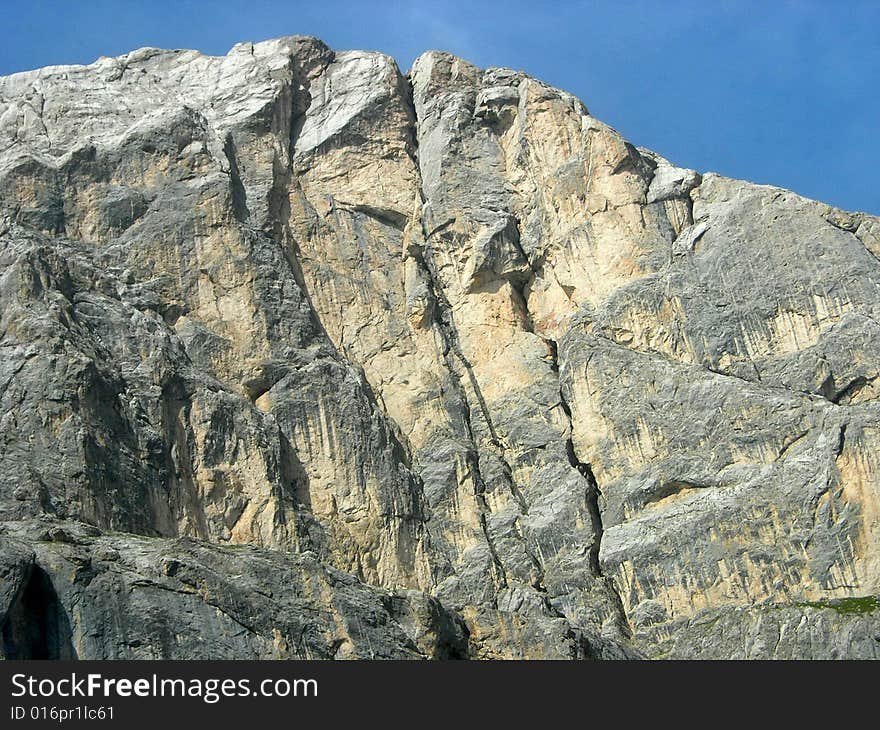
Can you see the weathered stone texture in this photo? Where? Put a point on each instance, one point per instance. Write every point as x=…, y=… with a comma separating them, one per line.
x=303, y=357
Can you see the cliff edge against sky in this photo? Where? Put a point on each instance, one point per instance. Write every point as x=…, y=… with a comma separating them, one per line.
x=303, y=357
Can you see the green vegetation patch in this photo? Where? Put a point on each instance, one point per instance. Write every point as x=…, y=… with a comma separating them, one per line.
x=847, y=606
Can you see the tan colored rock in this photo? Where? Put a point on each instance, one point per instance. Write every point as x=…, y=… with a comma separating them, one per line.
x=448, y=333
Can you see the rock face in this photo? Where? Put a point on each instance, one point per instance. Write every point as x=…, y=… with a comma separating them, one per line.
x=303, y=357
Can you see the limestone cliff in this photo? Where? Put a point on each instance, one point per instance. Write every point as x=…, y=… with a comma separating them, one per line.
x=303, y=357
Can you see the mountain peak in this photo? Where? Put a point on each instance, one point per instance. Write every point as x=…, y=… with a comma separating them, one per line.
x=366, y=365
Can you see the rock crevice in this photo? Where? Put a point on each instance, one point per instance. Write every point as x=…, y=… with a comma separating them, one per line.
x=433, y=365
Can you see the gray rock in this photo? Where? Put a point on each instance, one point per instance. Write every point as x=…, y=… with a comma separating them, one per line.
x=130, y=597
x=336, y=362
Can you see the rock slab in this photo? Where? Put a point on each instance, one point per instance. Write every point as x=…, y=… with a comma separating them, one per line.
x=303, y=357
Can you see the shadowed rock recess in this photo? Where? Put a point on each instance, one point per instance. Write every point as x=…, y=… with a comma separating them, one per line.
x=303, y=357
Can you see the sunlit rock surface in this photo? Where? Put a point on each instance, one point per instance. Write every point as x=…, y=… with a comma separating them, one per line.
x=338, y=362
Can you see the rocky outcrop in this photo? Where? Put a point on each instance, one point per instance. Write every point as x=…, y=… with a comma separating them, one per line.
x=337, y=362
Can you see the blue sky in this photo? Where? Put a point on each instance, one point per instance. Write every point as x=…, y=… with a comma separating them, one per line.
x=782, y=92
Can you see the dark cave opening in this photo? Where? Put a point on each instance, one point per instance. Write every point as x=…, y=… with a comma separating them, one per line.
x=37, y=626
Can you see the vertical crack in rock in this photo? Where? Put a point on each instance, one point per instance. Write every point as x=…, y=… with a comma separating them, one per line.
x=291, y=105
x=239, y=195
x=451, y=353
x=451, y=340
x=841, y=440
x=226, y=321
x=592, y=494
